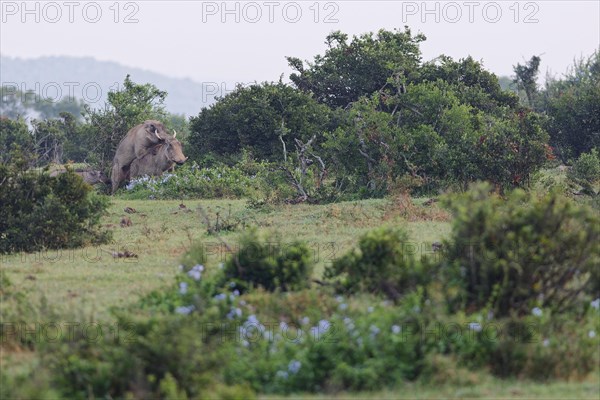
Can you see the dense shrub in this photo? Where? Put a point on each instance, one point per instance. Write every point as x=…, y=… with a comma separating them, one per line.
x=13, y=134
x=573, y=105
x=586, y=172
x=22, y=309
x=168, y=345
x=351, y=347
x=383, y=263
x=258, y=118
x=270, y=263
x=510, y=255
x=436, y=140
x=163, y=357
x=38, y=211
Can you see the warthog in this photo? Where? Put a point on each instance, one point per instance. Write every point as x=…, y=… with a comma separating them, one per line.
x=89, y=175
x=134, y=145
x=160, y=158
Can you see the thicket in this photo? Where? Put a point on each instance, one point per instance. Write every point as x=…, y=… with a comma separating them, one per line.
x=511, y=255
x=41, y=212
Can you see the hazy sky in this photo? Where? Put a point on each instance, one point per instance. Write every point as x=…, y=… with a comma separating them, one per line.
x=204, y=42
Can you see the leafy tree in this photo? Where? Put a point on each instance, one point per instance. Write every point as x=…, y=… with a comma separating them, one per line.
x=390, y=121
x=50, y=137
x=15, y=104
x=573, y=105
x=76, y=143
x=526, y=79
x=14, y=134
x=260, y=118
x=472, y=84
x=349, y=70
x=368, y=153
x=511, y=149
x=126, y=108
x=433, y=138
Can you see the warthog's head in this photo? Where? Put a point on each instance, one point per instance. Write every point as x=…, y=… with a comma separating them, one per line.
x=97, y=177
x=155, y=129
x=92, y=176
x=174, y=150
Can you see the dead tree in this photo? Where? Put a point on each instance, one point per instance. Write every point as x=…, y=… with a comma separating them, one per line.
x=306, y=158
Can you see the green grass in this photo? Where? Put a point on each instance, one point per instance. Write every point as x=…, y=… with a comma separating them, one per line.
x=491, y=389
x=91, y=280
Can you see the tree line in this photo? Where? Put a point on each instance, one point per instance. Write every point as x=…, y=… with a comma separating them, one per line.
x=367, y=117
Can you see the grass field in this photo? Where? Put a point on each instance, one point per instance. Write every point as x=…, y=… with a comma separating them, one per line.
x=88, y=282
x=491, y=389
x=90, y=279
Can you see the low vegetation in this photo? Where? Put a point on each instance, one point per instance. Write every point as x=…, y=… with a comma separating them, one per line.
x=254, y=323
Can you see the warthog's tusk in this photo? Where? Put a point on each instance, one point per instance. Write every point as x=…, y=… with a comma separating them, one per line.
x=174, y=133
x=156, y=133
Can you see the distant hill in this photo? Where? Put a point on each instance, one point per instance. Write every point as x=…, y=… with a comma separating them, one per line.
x=184, y=95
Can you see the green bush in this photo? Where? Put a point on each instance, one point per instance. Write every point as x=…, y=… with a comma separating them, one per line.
x=170, y=344
x=32, y=383
x=149, y=358
x=540, y=346
x=586, y=172
x=14, y=134
x=383, y=263
x=38, y=211
x=354, y=346
x=571, y=104
x=268, y=262
x=257, y=118
x=511, y=255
